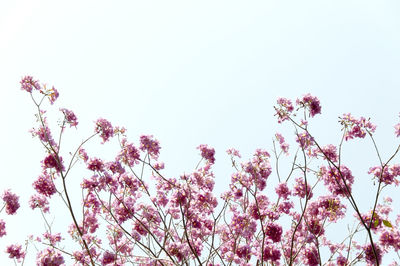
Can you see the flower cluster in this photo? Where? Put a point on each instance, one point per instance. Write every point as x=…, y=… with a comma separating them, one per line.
x=15, y=252
x=338, y=181
x=104, y=128
x=284, y=109
x=129, y=203
x=207, y=153
x=28, y=83
x=389, y=174
x=44, y=185
x=150, y=145
x=311, y=103
x=12, y=202
x=70, y=117
x=356, y=128
x=284, y=146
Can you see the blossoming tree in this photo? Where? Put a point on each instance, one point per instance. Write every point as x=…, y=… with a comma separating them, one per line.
x=132, y=214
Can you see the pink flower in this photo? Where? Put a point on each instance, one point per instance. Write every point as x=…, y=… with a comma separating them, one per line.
x=207, y=153
x=356, y=128
x=15, y=252
x=370, y=256
x=53, y=238
x=53, y=161
x=39, y=201
x=284, y=109
x=274, y=232
x=44, y=185
x=70, y=117
x=108, y=258
x=337, y=182
x=95, y=164
x=300, y=188
x=27, y=84
x=104, y=128
x=53, y=95
x=2, y=228
x=311, y=102
x=305, y=140
x=271, y=253
x=49, y=256
x=329, y=152
x=150, y=145
x=233, y=152
x=284, y=146
x=283, y=191
x=11, y=201
x=129, y=153
x=244, y=252
x=83, y=154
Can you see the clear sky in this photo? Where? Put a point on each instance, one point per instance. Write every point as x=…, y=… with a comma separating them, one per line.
x=194, y=72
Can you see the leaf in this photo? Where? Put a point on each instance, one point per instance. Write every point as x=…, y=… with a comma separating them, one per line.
x=376, y=222
x=387, y=223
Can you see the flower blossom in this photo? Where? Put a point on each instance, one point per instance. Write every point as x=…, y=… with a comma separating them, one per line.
x=39, y=201
x=284, y=146
x=53, y=161
x=356, y=128
x=104, y=128
x=15, y=252
x=337, y=182
x=70, y=117
x=11, y=200
x=150, y=145
x=44, y=185
x=311, y=102
x=284, y=109
x=28, y=83
x=207, y=153
x=2, y=228
x=53, y=95
x=49, y=256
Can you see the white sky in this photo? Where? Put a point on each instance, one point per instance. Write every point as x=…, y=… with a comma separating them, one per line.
x=193, y=72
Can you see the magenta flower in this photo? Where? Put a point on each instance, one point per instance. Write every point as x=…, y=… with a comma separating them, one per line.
x=284, y=146
x=129, y=154
x=108, y=258
x=283, y=191
x=39, y=201
x=397, y=130
x=11, y=201
x=70, y=117
x=329, y=152
x=150, y=145
x=53, y=161
x=15, y=252
x=272, y=254
x=274, y=232
x=356, y=128
x=28, y=83
x=284, y=109
x=49, y=256
x=2, y=228
x=310, y=102
x=233, y=152
x=53, y=95
x=207, y=153
x=305, y=140
x=104, y=128
x=337, y=182
x=370, y=256
x=95, y=164
x=44, y=185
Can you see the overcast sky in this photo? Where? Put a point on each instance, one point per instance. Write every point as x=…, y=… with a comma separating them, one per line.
x=194, y=72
